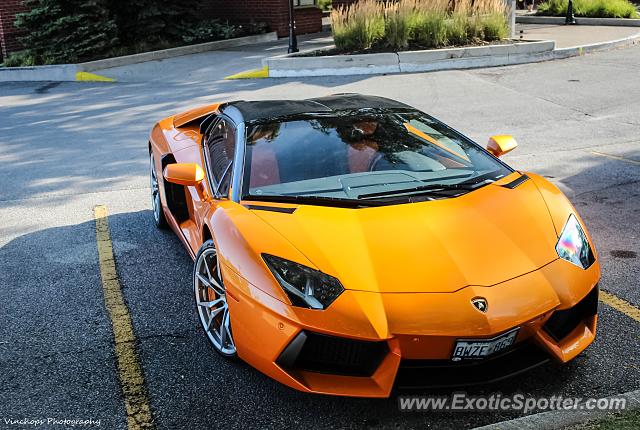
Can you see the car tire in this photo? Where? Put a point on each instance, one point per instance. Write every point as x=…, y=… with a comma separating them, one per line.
x=211, y=301
x=156, y=198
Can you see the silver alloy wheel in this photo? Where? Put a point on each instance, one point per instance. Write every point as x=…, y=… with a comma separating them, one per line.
x=211, y=301
x=155, y=192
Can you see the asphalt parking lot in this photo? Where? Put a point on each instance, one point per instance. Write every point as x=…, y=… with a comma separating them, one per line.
x=67, y=147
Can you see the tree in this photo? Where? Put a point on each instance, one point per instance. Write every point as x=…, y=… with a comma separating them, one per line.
x=66, y=31
x=151, y=21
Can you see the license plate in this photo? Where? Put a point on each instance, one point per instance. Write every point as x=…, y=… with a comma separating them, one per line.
x=480, y=348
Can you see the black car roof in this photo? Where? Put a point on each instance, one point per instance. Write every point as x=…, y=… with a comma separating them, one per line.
x=273, y=109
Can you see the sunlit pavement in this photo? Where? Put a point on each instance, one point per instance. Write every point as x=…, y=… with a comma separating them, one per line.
x=65, y=148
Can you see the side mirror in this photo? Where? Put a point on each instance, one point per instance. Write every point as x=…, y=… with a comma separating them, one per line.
x=501, y=144
x=189, y=174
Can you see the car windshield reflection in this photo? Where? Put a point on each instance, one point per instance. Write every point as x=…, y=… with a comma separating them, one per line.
x=350, y=156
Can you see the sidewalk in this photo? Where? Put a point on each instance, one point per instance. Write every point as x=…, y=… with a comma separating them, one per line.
x=216, y=65
x=573, y=35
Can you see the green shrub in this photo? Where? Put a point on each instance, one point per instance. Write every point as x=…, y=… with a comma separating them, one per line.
x=590, y=8
x=63, y=31
x=428, y=23
x=210, y=30
x=457, y=26
x=494, y=27
x=151, y=21
x=325, y=5
x=358, y=26
x=71, y=31
x=22, y=58
x=397, y=24
x=475, y=28
x=430, y=29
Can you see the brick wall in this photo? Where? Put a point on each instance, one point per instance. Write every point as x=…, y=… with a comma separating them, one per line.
x=274, y=12
x=8, y=33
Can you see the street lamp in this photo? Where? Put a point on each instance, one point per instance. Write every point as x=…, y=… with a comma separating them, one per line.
x=293, y=40
x=570, y=19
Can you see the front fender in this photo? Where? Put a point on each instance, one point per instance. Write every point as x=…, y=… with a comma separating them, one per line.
x=241, y=237
x=559, y=206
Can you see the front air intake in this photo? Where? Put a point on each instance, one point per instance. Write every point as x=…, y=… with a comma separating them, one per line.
x=315, y=352
x=565, y=321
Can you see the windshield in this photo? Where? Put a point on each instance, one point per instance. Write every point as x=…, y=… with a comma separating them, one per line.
x=357, y=156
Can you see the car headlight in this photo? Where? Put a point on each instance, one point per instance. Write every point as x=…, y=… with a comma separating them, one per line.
x=305, y=287
x=573, y=245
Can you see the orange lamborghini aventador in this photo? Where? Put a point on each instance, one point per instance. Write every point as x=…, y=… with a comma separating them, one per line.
x=349, y=244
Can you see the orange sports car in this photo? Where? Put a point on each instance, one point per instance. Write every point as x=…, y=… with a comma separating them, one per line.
x=350, y=244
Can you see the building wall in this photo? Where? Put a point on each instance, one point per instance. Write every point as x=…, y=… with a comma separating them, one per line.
x=274, y=12
x=8, y=33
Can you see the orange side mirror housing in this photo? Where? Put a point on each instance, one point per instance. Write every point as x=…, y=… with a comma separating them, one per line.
x=501, y=144
x=189, y=174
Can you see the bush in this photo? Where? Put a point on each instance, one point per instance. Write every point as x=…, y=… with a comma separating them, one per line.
x=397, y=24
x=325, y=5
x=428, y=23
x=71, y=31
x=358, y=26
x=590, y=8
x=151, y=21
x=210, y=30
x=22, y=58
x=430, y=30
x=59, y=31
x=207, y=31
x=457, y=26
x=494, y=27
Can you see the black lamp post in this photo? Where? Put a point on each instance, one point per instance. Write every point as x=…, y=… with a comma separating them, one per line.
x=570, y=19
x=293, y=40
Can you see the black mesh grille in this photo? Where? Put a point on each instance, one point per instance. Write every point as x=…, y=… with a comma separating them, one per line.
x=335, y=355
x=564, y=322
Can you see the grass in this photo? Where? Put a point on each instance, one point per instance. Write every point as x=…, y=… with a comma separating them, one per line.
x=625, y=421
x=359, y=26
x=402, y=24
x=590, y=8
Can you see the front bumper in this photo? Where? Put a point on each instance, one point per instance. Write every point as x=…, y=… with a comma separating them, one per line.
x=365, y=343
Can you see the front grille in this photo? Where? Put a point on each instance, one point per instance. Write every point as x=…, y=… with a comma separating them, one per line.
x=322, y=353
x=427, y=374
x=564, y=322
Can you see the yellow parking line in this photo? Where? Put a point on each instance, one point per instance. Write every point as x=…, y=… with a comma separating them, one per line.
x=615, y=157
x=251, y=74
x=92, y=77
x=129, y=369
x=623, y=306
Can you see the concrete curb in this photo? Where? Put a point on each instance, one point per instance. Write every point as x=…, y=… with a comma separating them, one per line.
x=176, y=52
x=558, y=20
x=433, y=60
x=409, y=61
x=74, y=72
x=59, y=72
x=480, y=56
x=576, y=51
x=556, y=419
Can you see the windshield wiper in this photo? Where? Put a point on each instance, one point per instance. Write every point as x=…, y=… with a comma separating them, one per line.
x=314, y=200
x=428, y=189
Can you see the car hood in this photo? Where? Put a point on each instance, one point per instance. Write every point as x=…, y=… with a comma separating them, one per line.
x=481, y=238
